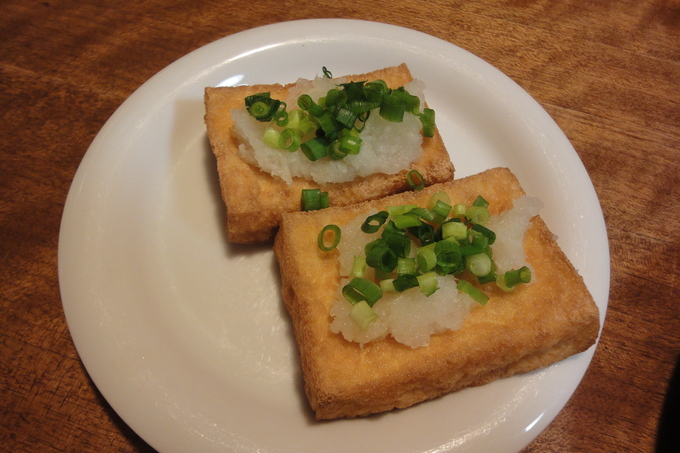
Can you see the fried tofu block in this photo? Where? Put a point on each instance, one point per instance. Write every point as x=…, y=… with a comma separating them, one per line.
x=532, y=327
x=256, y=200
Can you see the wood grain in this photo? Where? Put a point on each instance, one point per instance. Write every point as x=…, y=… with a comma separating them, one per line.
x=607, y=72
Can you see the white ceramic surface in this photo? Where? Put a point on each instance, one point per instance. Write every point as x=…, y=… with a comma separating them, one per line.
x=186, y=336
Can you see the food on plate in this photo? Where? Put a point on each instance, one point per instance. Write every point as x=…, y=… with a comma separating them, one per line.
x=489, y=332
x=264, y=163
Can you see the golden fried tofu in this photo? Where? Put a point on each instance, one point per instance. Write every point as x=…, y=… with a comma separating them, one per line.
x=531, y=327
x=255, y=199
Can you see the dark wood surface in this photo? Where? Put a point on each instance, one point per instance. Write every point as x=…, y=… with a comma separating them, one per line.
x=608, y=72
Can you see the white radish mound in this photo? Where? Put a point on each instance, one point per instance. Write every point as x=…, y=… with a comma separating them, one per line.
x=411, y=317
x=386, y=147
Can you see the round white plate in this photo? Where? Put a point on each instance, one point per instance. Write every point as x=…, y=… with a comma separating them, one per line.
x=186, y=335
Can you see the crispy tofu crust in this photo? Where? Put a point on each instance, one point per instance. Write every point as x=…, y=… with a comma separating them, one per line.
x=535, y=326
x=255, y=199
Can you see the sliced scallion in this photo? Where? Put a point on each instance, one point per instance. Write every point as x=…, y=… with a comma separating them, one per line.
x=415, y=180
x=404, y=282
x=479, y=265
x=454, y=230
x=359, y=289
x=395, y=211
x=358, y=267
x=382, y=257
x=363, y=315
x=314, y=149
x=289, y=140
x=321, y=239
x=477, y=214
x=387, y=285
x=406, y=266
x=406, y=221
x=459, y=211
x=313, y=199
x=426, y=258
x=427, y=119
x=448, y=254
x=428, y=283
x=471, y=290
x=374, y=222
x=515, y=277
x=261, y=106
x=485, y=231
x=271, y=137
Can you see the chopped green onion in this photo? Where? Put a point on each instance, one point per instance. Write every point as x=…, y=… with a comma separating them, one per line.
x=415, y=180
x=374, y=222
x=382, y=257
x=396, y=211
x=406, y=221
x=358, y=267
x=359, y=289
x=469, y=250
x=454, y=230
x=327, y=123
x=350, y=143
x=289, y=140
x=321, y=239
x=335, y=152
x=491, y=276
x=459, y=211
x=404, y=282
x=306, y=103
x=392, y=108
x=346, y=117
x=514, y=278
x=423, y=213
x=486, y=232
x=396, y=239
x=424, y=233
x=281, y=116
x=480, y=201
x=479, y=265
x=427, y=119
x=441, y=209
x=477, y=214
x=472, y=291
x=387, y=285
x=313, y=199
x=261, y=106
x=363, y=315
x=376, y=85
x=406, y=266
x=439, y=196
x=314, y=149
x=326, y=73
x=271, y=137
x=448, y=253
x=428, y=283
x=477, y=239
x=426, y=258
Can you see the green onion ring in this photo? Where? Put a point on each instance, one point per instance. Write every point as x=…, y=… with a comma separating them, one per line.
x=336, y=237
x=359, y=289
x=419, y=183
x=374, y=222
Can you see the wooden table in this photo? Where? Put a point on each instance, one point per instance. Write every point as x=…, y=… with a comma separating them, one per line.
x=607, y=72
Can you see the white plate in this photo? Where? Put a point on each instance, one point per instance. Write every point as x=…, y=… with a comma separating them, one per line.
x=186, y=336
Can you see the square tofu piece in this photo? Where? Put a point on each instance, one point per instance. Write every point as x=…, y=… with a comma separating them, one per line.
x=529, y=328
x=256, y=200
